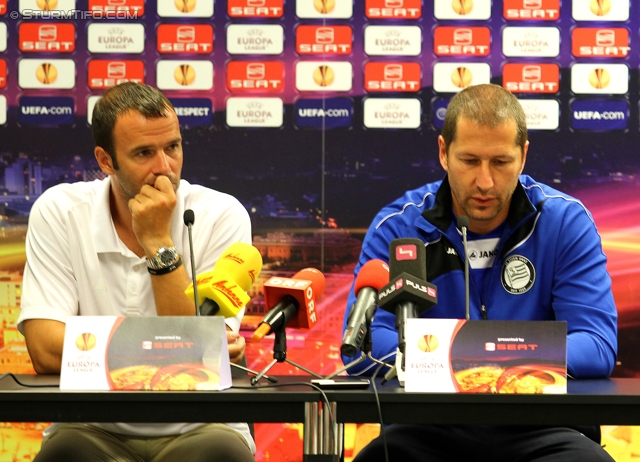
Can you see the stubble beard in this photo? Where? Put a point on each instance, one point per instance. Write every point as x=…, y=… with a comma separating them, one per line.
x=129, y=190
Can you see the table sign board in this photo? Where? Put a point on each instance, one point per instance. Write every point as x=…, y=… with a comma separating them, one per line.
x=458, y=356
x=145, y=353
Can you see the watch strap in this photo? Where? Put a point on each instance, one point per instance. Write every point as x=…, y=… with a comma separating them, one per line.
x=165, y=270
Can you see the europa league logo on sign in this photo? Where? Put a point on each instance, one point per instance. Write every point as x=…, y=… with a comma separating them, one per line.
x=324, y=6
x=462, y=7
x=599, y=78
x=600, y=7
x=47, y=5
x=323, y=76
x=86, y=341
x=428, y=343
x=185, y=6
x=184, y=74
x=461, y=77
x=46, y=73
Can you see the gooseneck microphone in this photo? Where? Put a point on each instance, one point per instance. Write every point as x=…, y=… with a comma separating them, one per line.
x=189, y=219
x=244, y=260
x=463, y=224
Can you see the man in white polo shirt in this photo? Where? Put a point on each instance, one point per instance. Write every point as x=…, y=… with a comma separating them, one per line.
x=115, y=247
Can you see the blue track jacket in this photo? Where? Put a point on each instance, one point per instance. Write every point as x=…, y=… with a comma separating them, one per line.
x=549, y=266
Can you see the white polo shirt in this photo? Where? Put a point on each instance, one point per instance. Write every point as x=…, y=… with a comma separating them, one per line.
x=77, y=264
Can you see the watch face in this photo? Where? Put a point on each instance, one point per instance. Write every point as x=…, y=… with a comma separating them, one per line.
x=166, y=256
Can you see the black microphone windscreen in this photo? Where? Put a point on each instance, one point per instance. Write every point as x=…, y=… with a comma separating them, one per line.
x=189, y=217
x=463, y=222
x=407, y=255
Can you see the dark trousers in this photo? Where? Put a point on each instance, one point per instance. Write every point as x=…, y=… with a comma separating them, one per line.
x=85, y=443
x=432, y=443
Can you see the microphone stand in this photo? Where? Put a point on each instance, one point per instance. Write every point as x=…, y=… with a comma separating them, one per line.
x=466, y=273
x=362, y=357
x=280, y=355
x=254, y=373
x=365, y=352
x=405, y=310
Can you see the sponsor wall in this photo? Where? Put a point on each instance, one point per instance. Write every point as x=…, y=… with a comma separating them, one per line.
x=316, y=113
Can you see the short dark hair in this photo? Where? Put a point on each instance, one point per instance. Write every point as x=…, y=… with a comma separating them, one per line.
x=485, y=104
x=118, y=100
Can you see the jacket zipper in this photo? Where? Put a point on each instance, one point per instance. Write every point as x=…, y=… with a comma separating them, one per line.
x=483, y=312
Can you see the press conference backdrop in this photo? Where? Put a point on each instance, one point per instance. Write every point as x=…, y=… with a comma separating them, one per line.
x=316, y=113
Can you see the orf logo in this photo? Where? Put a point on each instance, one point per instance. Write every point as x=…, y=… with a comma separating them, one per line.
x=428, y=343
x=86, y=341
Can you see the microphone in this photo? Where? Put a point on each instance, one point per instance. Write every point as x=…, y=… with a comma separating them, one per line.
x=284, y=298
x=189, y=219
x=223, y=291
x=212, y=308
x=463, y=224
x=373, y=275
x=408, y=294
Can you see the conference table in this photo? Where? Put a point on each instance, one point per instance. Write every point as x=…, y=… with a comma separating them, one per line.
x=588, y=402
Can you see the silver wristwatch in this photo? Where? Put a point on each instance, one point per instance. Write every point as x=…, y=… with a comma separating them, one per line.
x=164, y=258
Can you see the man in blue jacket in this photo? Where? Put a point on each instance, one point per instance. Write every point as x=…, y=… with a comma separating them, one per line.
x=538, y=256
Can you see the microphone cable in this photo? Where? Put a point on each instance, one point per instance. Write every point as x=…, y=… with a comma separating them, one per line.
x=22, y=384
x=325, y=400
x=375, y=393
